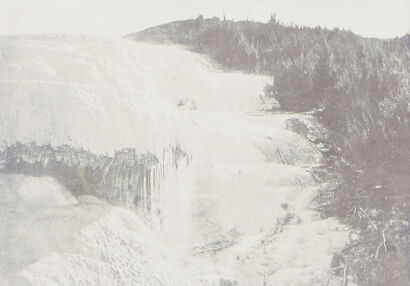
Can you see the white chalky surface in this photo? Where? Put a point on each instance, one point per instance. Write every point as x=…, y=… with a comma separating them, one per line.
x=242, y=210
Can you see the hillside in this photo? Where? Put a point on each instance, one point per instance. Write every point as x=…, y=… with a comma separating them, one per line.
x=126, y=163
x=359, y=85
x=358, y=88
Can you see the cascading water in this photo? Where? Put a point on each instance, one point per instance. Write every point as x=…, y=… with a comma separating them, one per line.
x=133, y=164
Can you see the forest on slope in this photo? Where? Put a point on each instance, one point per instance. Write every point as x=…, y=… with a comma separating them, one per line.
x=358, y=88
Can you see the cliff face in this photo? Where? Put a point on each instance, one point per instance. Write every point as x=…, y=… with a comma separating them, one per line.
x=126, y=179
x=91, y=114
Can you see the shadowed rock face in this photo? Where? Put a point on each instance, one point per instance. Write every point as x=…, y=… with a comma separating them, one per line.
x=127, y=179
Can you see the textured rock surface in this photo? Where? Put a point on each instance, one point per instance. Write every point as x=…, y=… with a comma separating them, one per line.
x=126, y=179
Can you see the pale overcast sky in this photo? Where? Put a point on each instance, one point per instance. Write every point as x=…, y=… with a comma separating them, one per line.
x=372, y=18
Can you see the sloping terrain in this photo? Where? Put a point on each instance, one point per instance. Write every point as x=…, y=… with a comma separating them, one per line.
x=358, y=89
x=134, y=164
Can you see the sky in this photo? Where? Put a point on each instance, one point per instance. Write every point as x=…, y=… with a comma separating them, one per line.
x=113, y=18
